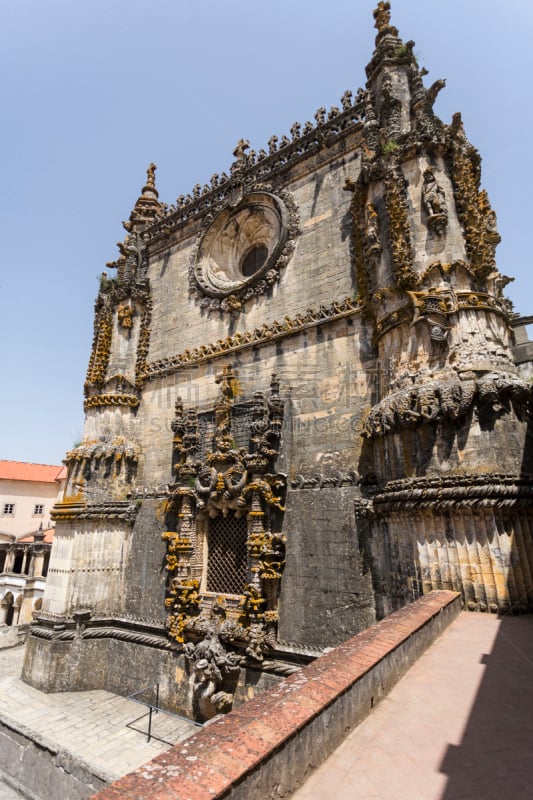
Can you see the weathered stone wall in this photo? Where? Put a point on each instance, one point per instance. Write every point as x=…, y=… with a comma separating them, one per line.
x=39, y=769
x=126, y=667
x=319, y=271
x=87, y=568
x=326, y=591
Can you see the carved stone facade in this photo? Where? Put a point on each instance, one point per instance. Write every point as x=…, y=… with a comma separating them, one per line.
x=302, y=410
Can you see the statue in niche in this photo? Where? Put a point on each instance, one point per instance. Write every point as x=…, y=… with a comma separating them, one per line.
x=372, y=239
x=390, y=111
x=125, y=316
x=434, y=202
x=490, y=222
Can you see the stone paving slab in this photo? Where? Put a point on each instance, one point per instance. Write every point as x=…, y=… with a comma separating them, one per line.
x=458, y=726
x=105, y=730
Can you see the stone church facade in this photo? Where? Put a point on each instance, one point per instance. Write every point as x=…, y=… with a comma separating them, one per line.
x=302, y=410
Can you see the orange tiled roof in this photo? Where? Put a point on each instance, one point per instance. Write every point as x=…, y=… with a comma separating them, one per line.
x=48, y=536
x=21, y=471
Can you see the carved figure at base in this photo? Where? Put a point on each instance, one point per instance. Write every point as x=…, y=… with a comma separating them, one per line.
x=212, y=665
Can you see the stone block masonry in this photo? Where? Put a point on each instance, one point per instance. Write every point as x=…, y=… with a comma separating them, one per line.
x=269, y=746
x=302, y=410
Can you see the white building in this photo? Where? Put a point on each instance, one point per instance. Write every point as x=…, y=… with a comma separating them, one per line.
x=27, y=494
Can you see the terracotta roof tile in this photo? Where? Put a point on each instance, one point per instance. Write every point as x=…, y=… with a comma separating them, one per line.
x=48, y=536
x=22, y=471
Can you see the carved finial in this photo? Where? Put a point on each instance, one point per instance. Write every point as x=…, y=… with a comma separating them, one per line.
x=242, y=146
x=150, y=176
x=382, y=16
x=146, y=210
x=149, y=186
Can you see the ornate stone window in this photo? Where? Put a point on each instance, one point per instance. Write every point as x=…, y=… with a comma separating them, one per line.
x=242, y=249
x=226, y=554
x=225, y=547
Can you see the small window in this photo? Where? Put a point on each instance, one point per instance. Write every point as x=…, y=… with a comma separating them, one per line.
x=254, y=260
x=9, y=509
x=38, y=510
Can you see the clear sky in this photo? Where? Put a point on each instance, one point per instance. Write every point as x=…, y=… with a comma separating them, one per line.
x=92, y=91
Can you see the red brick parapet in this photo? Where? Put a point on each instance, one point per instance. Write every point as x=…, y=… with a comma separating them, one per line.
x=266, y=747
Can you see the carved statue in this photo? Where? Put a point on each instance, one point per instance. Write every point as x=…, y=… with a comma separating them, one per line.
x=150, y=175
x=212, y=664
x=434, y=202
x=372, y=244
x=125, y=315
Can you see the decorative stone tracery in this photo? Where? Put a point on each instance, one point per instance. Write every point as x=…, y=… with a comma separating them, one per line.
x=243, y=244
x=218, y=479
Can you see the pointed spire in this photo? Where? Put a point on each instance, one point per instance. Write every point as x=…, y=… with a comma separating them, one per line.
x=389, y=46
x=150, y=181
x=397, y=101
x=147, y=209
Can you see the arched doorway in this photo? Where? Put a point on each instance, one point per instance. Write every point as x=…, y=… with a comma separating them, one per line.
x=8, y=608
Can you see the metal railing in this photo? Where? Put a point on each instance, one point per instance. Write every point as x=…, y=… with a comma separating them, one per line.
x=154, y=708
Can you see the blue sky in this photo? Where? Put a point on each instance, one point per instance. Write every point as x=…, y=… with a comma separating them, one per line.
x=93, y=91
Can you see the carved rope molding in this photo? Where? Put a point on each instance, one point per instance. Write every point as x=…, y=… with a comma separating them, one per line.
x=45, y=629
x=100, y=400
x=499, y=491
x=242, y=341
x=119, y=510
x=319, y=480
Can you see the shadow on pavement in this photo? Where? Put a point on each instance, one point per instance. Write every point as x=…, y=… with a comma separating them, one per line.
x=495, y=757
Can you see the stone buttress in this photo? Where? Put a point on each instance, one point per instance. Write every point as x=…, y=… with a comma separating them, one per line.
x=449, y=498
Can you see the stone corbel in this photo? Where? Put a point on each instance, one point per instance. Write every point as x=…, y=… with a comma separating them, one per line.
x=433, y=308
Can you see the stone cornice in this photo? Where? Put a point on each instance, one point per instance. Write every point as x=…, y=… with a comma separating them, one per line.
x=118, y=510
x=241, y=341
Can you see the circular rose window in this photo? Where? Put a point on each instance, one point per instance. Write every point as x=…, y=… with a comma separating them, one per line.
x=241, y=245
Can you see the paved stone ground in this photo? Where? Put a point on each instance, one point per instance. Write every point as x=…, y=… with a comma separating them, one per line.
x=98, y=727
x=458, y=726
